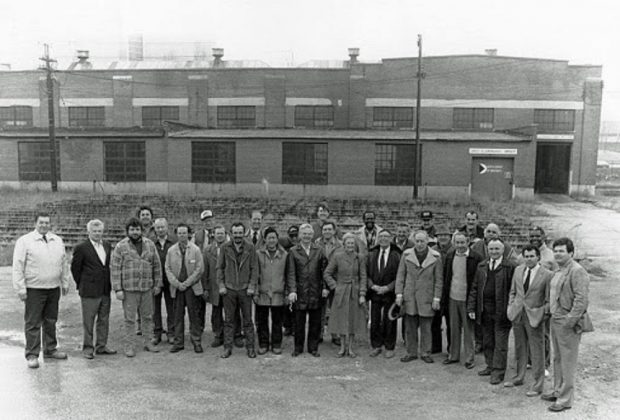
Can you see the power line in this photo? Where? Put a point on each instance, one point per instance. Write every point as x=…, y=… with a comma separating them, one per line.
x=50, y=113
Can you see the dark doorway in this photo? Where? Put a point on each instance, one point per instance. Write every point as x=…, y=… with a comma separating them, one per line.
x=552, y=168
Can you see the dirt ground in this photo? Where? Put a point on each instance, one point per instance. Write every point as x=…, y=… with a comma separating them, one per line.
x=189, y=385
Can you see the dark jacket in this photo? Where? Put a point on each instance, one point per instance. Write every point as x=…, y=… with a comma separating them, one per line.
x=163, y=252
x=503, y=281
x=308, y=272
x=237, y=276
x=472, y=261
x=388, y=277
x=479, y=232
x=209, y=276
x=92, y=278
x=409, y=244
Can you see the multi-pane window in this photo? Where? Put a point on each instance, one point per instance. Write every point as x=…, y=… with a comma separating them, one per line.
x=15, y=116
x=553, y=120
x=314, y=116
x=236, y=116
x=304, y=163
x=86, y=116
x=473, y=118
x=154, y=116
x=392, y=117
x=34, y=161
x=124, y=161
x=213, y=162
x=394, y=164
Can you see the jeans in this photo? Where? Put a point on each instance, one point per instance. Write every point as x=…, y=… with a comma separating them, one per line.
x=262, y=326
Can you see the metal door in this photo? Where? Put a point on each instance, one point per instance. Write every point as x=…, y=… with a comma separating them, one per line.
x=492, y=177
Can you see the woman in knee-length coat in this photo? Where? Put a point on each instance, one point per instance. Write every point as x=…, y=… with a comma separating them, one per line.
x=346, y=275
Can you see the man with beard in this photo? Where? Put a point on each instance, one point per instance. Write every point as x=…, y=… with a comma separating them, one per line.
x=237, y=277
x=136, y=275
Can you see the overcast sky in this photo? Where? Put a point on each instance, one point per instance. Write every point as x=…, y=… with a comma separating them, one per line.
x=288, y=31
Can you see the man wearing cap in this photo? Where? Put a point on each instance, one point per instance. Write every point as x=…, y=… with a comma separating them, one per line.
x=292, y=238
x=204, y=237
x=401, y=240
x=427, y=225
x=443, y=246
x=381, y=268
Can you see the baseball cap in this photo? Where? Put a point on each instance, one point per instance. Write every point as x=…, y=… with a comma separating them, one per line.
x=206, y=214
x=426, y=215
x=293, y=230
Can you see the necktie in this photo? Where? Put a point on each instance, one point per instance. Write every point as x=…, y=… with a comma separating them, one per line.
x=44, y=238
x=526, y=285
x=382, y=261
x=254, y=238
x=493, y=265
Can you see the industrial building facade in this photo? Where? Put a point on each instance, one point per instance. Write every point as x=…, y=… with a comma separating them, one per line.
x=501, y=127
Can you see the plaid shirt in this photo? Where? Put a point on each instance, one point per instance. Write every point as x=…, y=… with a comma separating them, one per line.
x=132, y=272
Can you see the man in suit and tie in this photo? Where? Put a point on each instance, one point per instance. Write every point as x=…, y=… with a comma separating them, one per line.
x=90, y=267
x=526, y=308
x=381, y=268
x=163, y=242
x=254, y=234
x=487, y=304
x=568, y=302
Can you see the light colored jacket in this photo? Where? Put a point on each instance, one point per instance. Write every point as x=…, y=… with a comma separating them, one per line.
x=571, y=293
x=193, y=264
x=361, y=239
x=275, y=277
x=419, y=284
x=535, y=301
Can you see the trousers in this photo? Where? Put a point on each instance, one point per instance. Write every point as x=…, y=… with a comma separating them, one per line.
x=41, y=313
x=98, y=308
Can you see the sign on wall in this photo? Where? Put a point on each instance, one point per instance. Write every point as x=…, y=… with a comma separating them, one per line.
x=504, y=152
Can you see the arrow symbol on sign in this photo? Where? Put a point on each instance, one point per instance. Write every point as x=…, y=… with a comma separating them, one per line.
x=482, y=168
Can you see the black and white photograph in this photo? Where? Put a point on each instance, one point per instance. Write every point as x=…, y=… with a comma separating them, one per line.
x=345, y=209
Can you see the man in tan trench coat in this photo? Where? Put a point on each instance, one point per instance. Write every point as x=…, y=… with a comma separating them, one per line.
x=419, y=283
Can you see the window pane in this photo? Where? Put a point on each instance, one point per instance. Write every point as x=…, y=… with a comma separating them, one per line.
x=394, y=164
x=213, y=162
x=34, y=161
x=124, y=161
x=393, y=117
x=304, y=163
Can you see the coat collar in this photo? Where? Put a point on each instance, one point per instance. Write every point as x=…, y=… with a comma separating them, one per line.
x=430, y=259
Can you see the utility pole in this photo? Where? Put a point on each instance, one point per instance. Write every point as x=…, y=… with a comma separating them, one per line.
x=417, y=174
x=50, y=113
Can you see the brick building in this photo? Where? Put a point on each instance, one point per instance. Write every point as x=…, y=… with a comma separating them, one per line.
x=503, y=127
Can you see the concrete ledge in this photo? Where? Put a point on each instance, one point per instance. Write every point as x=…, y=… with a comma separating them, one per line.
x=587, y=190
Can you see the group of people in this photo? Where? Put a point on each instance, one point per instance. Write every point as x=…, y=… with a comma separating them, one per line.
x=312, y=278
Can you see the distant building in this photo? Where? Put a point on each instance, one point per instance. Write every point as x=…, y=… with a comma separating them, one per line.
x=495, y=126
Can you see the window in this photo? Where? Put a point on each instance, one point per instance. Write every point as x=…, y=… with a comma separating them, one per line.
x=304, y=163
x=124, y=161
x=392, y=117
x=213, y=162
x=34, y=161
x=394, y=164
x=553, y=120
x=314, y=116
x=473, y=118
x=15, y=116
x=154, y=116
x=86, y=116
x=236, y=116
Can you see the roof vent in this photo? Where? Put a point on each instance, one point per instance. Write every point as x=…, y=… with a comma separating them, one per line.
x=218, y=53
x=491, y=51
x=353, y=54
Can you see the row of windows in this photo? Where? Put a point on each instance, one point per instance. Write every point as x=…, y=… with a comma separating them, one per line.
x=215, y=162
x=548, y=120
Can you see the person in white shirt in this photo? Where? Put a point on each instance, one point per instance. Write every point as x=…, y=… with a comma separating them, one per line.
x=40, y=275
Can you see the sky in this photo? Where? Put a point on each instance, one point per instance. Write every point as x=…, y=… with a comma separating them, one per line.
x=285, y=32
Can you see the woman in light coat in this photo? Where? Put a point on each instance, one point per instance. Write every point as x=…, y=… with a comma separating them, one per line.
x=346, y=276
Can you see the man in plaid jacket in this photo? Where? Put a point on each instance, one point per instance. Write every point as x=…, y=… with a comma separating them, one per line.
x=136, y=275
